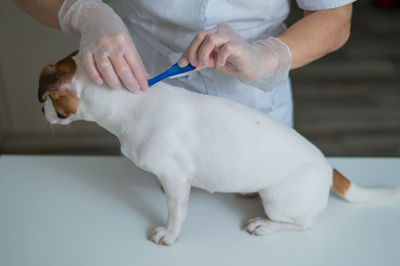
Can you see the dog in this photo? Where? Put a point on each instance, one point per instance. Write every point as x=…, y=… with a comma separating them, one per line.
x=189, y=139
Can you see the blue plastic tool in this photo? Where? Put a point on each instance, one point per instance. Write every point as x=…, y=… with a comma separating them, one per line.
x=172, y=71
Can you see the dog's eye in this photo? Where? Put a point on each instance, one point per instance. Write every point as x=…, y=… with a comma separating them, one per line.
x=60, y=116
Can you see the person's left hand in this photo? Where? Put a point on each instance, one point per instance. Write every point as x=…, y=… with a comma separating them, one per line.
x=225, y=50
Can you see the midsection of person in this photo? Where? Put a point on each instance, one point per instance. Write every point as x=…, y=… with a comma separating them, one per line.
x=163, y=29
x=175, y=23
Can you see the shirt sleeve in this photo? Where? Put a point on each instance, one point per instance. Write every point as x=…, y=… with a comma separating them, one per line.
x=313, y=5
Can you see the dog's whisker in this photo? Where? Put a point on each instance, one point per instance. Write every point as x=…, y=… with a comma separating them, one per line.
x=52, y=130
x=44, y=123
x=70, y=130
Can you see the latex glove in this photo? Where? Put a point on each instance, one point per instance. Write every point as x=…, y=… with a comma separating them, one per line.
x=106, y=48
x=263, y=64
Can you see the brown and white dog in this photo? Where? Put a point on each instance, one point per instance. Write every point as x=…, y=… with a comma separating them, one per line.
x=188, y=139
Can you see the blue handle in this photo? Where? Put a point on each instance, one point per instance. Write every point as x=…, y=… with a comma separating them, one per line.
x=172, y=71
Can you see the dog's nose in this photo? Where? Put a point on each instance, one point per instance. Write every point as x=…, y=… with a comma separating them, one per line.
x=42, y=109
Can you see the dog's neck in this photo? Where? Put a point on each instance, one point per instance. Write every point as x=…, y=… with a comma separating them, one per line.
x=112, y=109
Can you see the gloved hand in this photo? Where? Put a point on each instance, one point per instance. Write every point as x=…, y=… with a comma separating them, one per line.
x=106, y=48
x=263, y=64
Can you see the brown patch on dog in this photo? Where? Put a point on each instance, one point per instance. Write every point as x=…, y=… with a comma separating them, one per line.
x=340, y=183
x=52, y=81
x=65, y=102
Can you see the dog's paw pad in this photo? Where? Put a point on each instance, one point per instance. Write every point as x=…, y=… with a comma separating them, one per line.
x=258, y=226
x=161, y=236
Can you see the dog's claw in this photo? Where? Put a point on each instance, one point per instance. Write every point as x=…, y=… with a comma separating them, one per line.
x=161, y=242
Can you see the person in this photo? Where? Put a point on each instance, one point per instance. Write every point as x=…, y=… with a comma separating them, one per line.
x=241, y=49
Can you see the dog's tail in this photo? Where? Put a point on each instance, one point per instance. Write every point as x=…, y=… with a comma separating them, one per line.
x=354, y=194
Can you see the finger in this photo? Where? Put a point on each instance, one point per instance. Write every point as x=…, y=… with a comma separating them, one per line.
x=124, y=73
x=191, y=51
x=183, y=61
x=133, y=53
x=198, y=68
x=211, y=42
x=107, y=71
x=138, y=69
x=224, y=52
x=90, y=67
x=130, y=53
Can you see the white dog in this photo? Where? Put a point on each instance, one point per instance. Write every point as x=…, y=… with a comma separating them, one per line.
x=188, y=139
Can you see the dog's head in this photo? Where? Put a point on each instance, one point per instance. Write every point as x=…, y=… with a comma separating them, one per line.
x=58, y=91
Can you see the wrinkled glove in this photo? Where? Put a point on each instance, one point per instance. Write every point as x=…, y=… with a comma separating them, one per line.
x=106, y=48
x=263, y=64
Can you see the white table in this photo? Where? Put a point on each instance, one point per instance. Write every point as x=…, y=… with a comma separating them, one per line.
x=60, y=210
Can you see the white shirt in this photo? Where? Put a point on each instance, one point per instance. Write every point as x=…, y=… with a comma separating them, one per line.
x=163, y=29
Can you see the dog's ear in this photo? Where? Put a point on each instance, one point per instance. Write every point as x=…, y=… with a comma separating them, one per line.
x=55, y=81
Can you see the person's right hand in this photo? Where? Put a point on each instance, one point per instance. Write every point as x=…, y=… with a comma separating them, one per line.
x=263, y=64
x=106, y=48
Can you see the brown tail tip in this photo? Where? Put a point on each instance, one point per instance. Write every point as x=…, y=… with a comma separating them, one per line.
x=340, y=183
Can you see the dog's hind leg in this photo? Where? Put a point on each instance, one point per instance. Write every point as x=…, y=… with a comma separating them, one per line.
x=262, y=226
x=177, y=193
x=289, y=207
x=279, y=219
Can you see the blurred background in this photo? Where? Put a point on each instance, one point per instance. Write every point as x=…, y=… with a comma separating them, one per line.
x=347, y=103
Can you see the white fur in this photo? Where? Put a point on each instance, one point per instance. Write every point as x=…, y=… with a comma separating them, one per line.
x=357, y=194
x=188, y=139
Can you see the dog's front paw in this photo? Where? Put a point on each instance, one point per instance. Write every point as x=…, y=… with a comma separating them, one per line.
x=258, y=226
x=161, y=236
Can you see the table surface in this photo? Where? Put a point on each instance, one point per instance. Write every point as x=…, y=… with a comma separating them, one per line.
x=95, y=210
